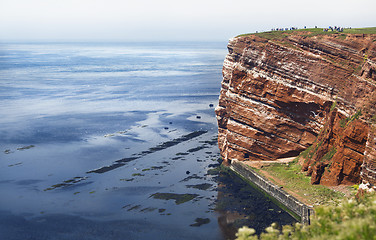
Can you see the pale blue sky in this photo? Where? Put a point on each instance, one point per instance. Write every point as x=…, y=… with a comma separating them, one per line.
x=149, y=20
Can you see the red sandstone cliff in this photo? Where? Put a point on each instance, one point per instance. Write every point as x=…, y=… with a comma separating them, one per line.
x=283, y=93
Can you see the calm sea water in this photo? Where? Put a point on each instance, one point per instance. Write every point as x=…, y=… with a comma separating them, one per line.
x=114, y=141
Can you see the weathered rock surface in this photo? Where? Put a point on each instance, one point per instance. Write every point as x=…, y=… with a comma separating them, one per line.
x=282, y=94
x=337, y=154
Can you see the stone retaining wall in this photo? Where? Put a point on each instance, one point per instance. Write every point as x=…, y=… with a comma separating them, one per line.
x=302, y=210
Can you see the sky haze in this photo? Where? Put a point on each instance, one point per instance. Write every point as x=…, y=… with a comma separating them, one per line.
x=147, y=20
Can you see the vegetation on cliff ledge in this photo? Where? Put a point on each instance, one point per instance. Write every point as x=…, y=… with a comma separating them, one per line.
x=293, y=181
x=348, y=219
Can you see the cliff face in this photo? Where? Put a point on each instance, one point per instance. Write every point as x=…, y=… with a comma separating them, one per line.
x=284, y=93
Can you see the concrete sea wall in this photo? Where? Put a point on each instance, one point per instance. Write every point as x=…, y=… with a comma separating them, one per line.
x=300, y=209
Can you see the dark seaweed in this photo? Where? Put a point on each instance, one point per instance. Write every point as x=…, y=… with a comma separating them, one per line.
x=200, y=221
x=179, y=198
x=196, y=149
x=123, y=161
x=203, y=186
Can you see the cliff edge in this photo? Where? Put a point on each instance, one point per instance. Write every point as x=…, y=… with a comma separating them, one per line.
x=304, y=92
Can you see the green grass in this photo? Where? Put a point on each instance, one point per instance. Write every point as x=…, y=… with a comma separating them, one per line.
x=271, y=35
x=371, y=30
x=356, y=115
x=345, y=122
x=305, y=153
x=348, y=219
x=308, y=153
x=295, y=181
x=329, y=155
x=334, y=104
x=311, y=32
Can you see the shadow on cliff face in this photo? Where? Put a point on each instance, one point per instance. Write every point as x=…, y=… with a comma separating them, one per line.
x=302, y=112
x=239, y=204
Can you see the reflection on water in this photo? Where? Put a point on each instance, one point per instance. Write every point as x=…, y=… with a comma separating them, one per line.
x=113, y=141
x=239, y=205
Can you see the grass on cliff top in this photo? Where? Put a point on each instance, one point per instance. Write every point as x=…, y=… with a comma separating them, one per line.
x=310, y=32
x=290, y=177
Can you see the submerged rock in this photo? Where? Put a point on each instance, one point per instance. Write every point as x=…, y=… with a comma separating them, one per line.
x=200, y=221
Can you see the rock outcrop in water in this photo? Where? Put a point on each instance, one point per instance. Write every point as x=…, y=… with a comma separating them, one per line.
x=302, y=92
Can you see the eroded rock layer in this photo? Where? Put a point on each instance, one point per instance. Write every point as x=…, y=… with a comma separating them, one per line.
x=337, y=154
x=278, y=93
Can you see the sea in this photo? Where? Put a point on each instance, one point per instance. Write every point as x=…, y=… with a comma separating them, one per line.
x=118, y=141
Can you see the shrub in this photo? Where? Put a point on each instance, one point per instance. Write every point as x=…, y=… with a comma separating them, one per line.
x=349, y=219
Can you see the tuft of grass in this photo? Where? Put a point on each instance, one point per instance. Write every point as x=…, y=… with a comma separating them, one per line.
x=305, y=153
x=329, y=154
x=356, y=115
x=334, y=104
x=308, y=153
x=345, y=122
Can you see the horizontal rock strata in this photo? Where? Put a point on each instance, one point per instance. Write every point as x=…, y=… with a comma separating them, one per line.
x=279, y=94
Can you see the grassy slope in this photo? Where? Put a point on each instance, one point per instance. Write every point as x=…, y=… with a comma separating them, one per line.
x=290, y=177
